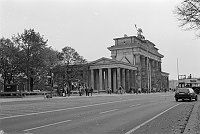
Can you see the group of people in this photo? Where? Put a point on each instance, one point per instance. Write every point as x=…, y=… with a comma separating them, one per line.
x=88, y=91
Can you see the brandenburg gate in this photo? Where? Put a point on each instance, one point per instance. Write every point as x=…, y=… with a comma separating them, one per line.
x=135, y=63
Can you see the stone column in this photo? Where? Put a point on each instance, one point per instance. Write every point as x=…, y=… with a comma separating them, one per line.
x=131, y=78
x=156, y=76
x=109, y=77
x=105, y=83
x=123, y=79
x=134, y=78
x=128, y=79
x=100, y=79
x=114, y=80
x=159, y=74
x=118, y=78
x=150, y=75
x=92, y=78
x=153, y=73
x=138, y=79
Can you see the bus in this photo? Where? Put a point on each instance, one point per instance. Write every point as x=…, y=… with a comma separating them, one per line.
x=184, y=81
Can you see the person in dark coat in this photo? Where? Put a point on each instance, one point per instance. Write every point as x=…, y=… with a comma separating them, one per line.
x=86, y=91
x=120, y=90
x=109, y=90
x=68, y=91
x=91, y=91
x=80, y=91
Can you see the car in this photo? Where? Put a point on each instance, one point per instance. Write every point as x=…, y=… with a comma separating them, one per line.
x=36, y=90
x=185, y=93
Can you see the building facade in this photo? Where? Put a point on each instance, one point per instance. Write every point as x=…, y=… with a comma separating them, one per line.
x=135, y=63
x=109, y=73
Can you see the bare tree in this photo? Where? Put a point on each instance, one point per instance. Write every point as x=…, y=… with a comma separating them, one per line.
x=188, y=13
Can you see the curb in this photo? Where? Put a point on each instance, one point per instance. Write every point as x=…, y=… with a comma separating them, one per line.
x=193, y=124
x=2, y=100
x=42, y=98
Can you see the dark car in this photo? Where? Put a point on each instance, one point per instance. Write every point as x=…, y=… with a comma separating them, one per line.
x=185, y=93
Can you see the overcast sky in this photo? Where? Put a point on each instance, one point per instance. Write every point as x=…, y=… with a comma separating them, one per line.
x=89, y=27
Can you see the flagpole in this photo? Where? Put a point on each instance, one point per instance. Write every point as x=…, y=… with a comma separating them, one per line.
x=177, y=70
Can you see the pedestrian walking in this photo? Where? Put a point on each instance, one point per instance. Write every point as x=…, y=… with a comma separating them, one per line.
x=120, y=90
x=91, y=91
x=68, y=91
x=86, y=91
x=80, y=91
x=131, y=90
x=109, y=90
x=139, y=90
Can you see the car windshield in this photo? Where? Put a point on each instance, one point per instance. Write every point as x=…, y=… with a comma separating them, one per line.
x=183, y=90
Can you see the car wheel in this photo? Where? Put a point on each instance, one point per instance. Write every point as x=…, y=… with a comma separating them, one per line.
x=176, y=99
x=196, y=98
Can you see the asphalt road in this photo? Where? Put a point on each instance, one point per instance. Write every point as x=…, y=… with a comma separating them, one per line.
x=114, y=114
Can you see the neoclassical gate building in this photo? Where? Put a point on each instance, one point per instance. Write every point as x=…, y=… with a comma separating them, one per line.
x=134, y=63
x=109, y=73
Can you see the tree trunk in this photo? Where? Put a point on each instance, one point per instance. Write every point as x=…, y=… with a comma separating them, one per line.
x=31, y=84
x=28, y=85
x=4, y=84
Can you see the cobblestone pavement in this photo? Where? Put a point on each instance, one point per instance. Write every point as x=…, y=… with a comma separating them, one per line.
x=172, y=122
x=193, y=125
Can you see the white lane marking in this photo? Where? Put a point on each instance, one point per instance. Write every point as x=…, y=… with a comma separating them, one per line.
x=47, y=125
x=57, y=110
x=132, y=130
x=135, y=105
x=108, y=111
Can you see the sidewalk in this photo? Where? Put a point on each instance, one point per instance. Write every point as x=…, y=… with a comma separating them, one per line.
x=41, y=97
x=193, y=125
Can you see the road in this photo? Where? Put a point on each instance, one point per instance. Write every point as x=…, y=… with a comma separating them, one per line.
x=114, y=114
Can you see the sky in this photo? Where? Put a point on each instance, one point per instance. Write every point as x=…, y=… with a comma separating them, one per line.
x=89, y=27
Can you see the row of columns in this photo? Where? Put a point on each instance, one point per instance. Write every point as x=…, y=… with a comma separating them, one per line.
x=152, y=72
x=104, y=78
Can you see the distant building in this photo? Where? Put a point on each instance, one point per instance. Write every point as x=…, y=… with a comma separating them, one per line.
x=135, y=63
x=189, y=81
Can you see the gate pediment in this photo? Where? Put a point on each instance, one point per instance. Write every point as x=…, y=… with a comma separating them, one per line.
x=103, y=60
x=110, y=63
